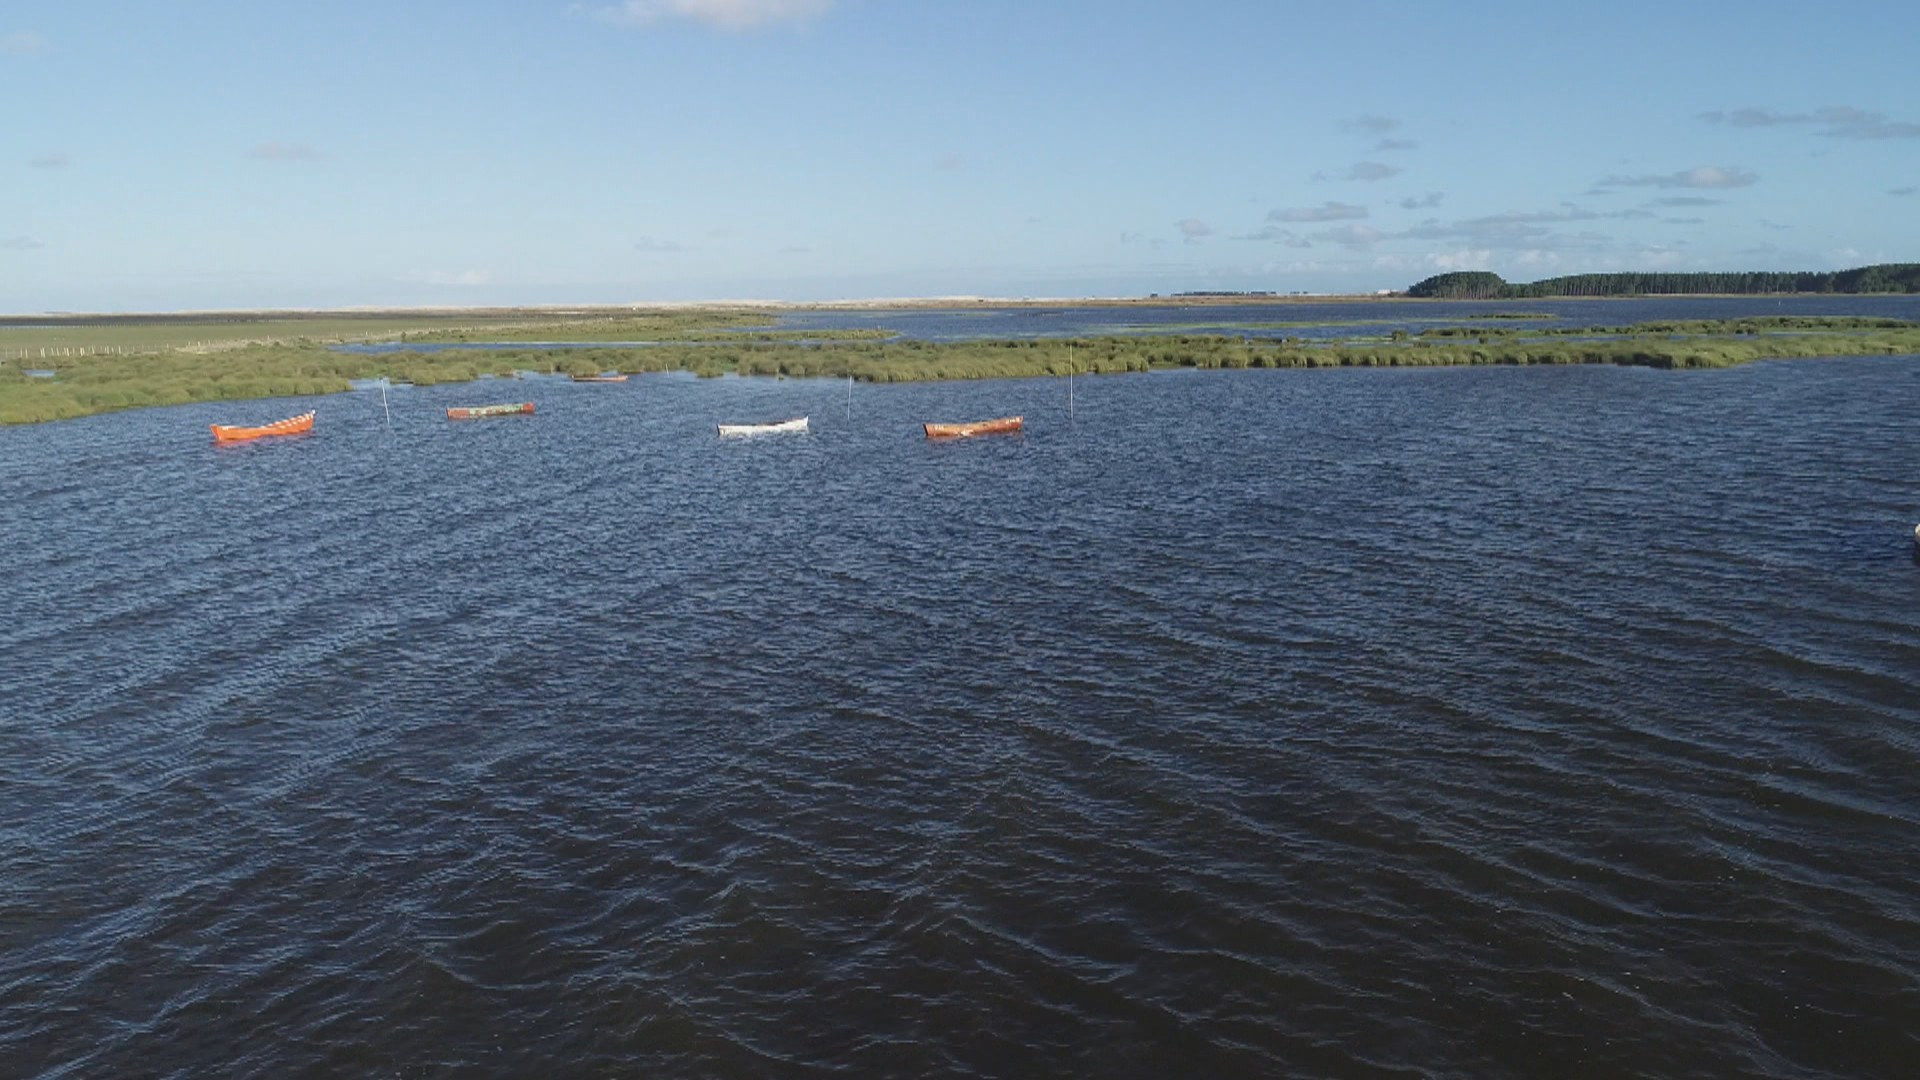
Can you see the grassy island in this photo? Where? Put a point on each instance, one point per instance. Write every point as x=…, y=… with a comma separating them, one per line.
x=58, y=381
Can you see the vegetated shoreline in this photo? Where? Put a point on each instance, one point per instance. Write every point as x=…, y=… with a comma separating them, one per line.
x=87, y=384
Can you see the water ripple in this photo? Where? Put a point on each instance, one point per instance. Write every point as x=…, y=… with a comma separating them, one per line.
x=1397, y=723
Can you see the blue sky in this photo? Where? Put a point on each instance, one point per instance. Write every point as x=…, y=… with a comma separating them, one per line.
x=214, y=154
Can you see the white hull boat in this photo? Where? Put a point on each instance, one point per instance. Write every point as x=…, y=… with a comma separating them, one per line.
x=798, y=423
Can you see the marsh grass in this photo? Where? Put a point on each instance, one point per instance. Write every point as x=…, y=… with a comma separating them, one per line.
x=133, y=335
x=57, y=337
x=92, y=384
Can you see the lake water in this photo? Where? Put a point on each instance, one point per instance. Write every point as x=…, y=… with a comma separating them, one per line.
x=1323, y=319
x=1461, y=722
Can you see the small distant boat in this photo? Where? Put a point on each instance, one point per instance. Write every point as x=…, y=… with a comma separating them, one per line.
x=475, y=412
x=978, y=427
x=615, y=377
x=292, y=425
x=798, y=423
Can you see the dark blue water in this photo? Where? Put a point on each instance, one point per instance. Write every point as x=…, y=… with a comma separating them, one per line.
x=1473, y=722
x=1327, y=319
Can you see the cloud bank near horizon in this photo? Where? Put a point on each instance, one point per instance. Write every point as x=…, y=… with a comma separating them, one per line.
x=1833, y=122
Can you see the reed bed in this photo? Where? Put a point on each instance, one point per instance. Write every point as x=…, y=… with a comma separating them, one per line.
x=82, y=385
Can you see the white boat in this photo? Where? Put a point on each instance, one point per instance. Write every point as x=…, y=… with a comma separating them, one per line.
x=798, y=423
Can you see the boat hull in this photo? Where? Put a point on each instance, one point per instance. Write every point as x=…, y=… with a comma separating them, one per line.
x=798, y=423
x=478, y=412
x=599, y=378
x=292, y=425
x=1001, y=426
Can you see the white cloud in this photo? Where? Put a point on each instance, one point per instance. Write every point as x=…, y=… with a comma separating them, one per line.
x=1371, y=170
x=1352, y=236
x=730, y=15
x=1659, y=258
x=1278, y=235
x=1155, y=243
x=1327, y=211
x=1193, y=229
x=1835, y=121
x=1515, y=229
x=1512, y=234
x=19, y=243
x=1704, y=176
x=1537, y=259
x=22, y=42
x=1567, y=212
x=1371, y=125
x=657, y=246
x=1425, y=202
x=283, y=151
x=1461, y=259
x=1752, y=117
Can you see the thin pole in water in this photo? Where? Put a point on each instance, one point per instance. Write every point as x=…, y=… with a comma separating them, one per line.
x=849, y=397
x=383, y=404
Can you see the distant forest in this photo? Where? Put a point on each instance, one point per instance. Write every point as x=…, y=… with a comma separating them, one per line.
x=1483, y=285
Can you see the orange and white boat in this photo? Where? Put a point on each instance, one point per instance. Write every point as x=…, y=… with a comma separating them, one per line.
x=977, y=427
x=604, y=377
x=292, y=425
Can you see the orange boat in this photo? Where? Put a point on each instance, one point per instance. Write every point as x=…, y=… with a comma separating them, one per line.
x=292, y=425
x=599, y=378
x=475, y=412
x=978, y=427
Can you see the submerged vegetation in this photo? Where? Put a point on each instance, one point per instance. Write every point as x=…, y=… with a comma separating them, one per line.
x=83, y=384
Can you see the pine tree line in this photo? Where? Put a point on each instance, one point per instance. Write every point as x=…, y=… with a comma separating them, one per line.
x=1484, y=285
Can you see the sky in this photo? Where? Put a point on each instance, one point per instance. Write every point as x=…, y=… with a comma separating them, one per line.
x=229, y=154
